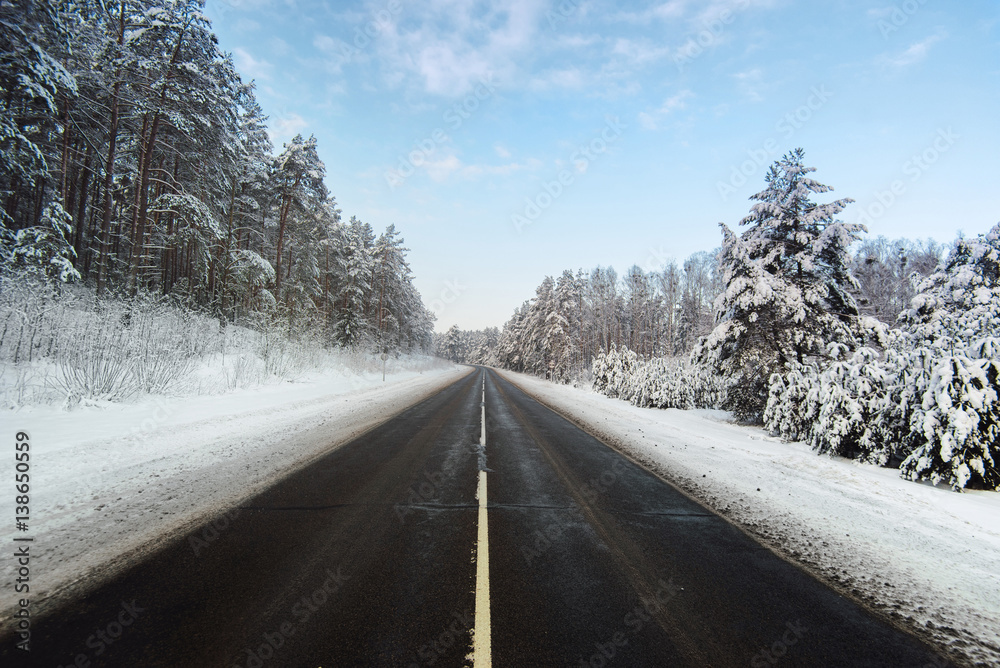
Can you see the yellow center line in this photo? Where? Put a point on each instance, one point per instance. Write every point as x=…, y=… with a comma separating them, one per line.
x=481, y=656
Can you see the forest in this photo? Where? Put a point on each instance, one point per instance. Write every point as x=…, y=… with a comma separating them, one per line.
x=886, y=352
x=136, y=164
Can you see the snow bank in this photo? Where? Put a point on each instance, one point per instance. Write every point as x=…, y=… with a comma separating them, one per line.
x=925, y=556
x=111, y=482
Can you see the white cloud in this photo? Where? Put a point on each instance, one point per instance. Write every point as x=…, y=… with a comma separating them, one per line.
x=283, y=128
x=916, y=52
x=651, y=120
x=250, y=67
x=447, y=70
x=335, y=52
x=576, y=41
x=702, y=11
x=566, y=78
x=279, y=46
x=647, y=121
x=640, y=53
x=880, y=12
x=447, y=165
x=672, y=9
x=326, y=44
x=751, y=82
x=447, y=46
x=471, y=171
x=246, y=25
x=439, y=170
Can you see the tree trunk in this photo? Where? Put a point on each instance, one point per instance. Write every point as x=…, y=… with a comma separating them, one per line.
x=282, y=222
x=109, y=168
x=147, y=157
x=81, y=209
x=64, y=192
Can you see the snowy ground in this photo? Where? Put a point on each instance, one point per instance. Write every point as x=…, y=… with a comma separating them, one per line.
x=924, y=556
x=111, y=482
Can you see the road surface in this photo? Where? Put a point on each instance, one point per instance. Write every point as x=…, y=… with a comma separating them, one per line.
x=376, y=555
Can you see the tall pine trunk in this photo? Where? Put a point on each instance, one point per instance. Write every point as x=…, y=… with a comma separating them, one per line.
x=109, y=167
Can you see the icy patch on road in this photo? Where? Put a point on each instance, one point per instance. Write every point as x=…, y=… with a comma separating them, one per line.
x=924, y=556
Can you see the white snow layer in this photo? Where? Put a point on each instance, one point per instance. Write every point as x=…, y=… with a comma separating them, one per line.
x=111, y=483
x=925, y=556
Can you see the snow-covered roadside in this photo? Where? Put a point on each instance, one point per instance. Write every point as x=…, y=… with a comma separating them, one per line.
x=925, y=556
x=110, y=483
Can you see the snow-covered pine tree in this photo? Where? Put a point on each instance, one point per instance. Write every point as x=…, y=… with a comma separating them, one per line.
x=31, y=82
x=46, y=247
x=245, y=178
x=558, y=331
x=787, y=286
x=452, y=346
x=509, y=350
x=960, y=302
x=390, y=276
x=960, y=420
x=350, y=327
x=956, y=320
x=793, y=403
x=297, y=181
x=537, y=355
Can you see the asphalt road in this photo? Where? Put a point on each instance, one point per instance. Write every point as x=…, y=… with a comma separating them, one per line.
x=368, y=557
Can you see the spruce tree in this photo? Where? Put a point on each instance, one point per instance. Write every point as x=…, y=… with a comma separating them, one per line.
x=787, y=286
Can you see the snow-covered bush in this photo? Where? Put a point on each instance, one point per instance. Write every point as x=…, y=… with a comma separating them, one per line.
x=98, y=366
x=114, y=349
x=851, y=392
x=243, y=371
x=793, y=403
x=957, y=315
x=658, y=383
x=933, y=414
x=613, y=372
x=959, y=419
x=61, y=343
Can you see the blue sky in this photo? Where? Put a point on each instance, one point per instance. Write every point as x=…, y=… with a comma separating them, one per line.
x=510, y=140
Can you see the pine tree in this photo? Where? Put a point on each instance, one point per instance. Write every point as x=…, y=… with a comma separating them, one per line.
x=956, y=319
x=788, y=286
x=297, y=180
x=31, y=83
x=350, y=326
x=453, y=346
x=46, y=247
